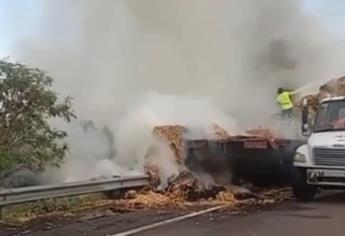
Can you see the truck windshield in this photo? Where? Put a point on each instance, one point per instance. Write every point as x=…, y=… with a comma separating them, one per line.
x=331, y=116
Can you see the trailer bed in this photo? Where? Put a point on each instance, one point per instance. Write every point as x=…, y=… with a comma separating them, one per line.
x=261, y=160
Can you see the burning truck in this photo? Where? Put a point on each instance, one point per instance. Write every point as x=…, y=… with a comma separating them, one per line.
x=259, y=156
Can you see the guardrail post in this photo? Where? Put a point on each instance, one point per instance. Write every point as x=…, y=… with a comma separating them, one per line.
x=3, y=212
x=116, y=194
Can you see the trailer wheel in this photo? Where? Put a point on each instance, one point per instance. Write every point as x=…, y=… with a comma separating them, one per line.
x=302, y=191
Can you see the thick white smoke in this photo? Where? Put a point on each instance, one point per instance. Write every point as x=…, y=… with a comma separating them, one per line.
x=229, y=54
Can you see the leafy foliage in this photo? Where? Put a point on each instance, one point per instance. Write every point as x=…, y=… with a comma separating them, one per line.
x=27, y=103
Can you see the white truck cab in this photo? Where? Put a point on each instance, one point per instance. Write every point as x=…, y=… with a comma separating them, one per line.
x=321, y=162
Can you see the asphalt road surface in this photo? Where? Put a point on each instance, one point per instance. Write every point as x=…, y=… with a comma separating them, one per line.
x=326, y=216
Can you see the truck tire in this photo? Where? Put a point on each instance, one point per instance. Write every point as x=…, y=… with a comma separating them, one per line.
x=302, y=191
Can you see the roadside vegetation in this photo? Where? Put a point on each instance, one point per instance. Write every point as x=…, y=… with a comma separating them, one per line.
x=27, y=105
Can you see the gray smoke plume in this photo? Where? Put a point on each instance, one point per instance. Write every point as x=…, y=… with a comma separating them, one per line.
x=233, y=55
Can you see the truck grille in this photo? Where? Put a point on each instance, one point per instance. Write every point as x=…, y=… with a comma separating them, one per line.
x=329, y=156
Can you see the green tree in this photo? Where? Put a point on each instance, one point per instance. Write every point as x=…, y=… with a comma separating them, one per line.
x=27, y=103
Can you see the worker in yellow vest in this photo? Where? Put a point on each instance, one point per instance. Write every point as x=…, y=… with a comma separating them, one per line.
x=285, y=102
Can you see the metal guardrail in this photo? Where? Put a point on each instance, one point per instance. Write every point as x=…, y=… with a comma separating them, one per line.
x=28, y=194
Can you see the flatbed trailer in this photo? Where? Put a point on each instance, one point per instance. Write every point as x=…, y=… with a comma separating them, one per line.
x=260, y=160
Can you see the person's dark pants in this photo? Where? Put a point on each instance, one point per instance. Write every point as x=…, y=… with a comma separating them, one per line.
x=287, y=114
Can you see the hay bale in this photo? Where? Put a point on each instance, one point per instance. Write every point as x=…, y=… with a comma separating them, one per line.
x=333, y=88
x=172, y=135
x=219, y=132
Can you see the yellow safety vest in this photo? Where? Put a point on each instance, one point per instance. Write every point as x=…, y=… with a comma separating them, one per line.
x=284, y=100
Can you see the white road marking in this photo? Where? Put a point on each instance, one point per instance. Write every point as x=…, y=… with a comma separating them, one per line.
x=165, y=222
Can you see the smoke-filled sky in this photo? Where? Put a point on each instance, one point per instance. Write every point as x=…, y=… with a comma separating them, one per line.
x=134, y=64
x=330, y=13
x=111, y=53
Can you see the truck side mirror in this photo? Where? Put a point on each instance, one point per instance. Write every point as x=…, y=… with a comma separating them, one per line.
x=306, y=129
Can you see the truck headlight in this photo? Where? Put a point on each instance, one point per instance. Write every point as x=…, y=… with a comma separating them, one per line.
x=299, y=157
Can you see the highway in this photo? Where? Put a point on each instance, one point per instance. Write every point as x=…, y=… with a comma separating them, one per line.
x=322, y=217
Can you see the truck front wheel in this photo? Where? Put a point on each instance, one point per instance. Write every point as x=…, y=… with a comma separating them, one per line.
x=303, y=191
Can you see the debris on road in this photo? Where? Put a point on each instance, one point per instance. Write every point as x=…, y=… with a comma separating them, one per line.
x=148, y=199
x=151, y=200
